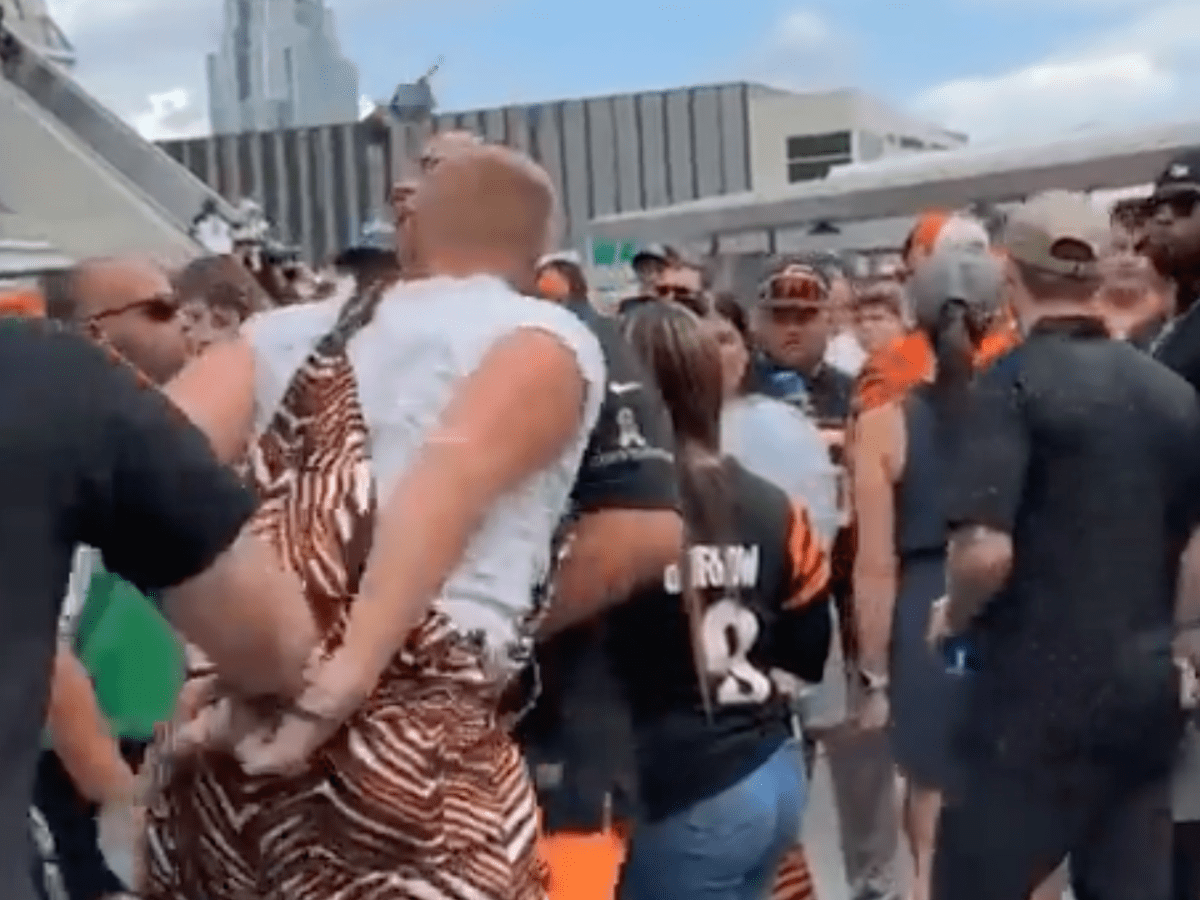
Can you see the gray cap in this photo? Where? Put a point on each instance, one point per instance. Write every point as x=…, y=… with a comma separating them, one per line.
x=1059, y=232
x=973, y=276
x=654, y=253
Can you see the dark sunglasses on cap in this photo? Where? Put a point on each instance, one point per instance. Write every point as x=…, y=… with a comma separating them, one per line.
x=1181, y=204
x=159, y=308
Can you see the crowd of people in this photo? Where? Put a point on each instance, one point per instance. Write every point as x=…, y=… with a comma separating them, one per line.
x=421, y=576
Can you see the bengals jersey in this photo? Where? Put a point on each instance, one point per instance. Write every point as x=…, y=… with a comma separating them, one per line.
x=763, y=610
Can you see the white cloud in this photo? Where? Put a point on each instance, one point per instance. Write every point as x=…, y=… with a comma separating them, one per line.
x=802, y=30
x=803, y=51
x=169, y=115
x=1138, y=70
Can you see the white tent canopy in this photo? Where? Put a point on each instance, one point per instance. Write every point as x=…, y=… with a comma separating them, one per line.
x=902, y=186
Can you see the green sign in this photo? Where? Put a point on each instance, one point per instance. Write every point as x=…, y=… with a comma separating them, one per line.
x=610, y=253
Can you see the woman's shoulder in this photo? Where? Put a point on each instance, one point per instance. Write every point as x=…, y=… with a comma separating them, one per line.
x=759, y=410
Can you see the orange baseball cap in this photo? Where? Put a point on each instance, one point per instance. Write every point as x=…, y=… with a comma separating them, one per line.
x=937, y=229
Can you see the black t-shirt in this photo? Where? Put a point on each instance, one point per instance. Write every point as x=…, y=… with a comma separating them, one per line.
x=630, y=459
x=763, y=598
x=1082, y=449
x=88, y=454
x=1177, y=345
x=579, y=730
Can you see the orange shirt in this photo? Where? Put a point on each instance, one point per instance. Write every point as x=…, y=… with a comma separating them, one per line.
x=24, y=303
x=999, y=341
x=891, y=371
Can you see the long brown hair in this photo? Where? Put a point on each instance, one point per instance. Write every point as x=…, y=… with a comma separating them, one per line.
x=684, y=358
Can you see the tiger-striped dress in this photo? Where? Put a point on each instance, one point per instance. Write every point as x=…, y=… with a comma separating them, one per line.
x=794, y=880
x=423, y=794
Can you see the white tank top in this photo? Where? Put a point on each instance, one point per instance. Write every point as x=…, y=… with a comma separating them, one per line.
x=425, y=337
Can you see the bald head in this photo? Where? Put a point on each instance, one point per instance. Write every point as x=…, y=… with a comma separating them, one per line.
x=102, y=284
x=131, y=301
x=483, y=209
x=447, y=143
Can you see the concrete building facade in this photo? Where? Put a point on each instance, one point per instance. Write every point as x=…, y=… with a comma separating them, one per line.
x=279, y=66
x=802, y=137
x=606, y=155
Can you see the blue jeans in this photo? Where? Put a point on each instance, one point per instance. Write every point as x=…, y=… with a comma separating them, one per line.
x=726, y=847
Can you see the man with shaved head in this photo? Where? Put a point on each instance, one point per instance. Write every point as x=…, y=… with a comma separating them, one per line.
x=130, y=302
x=393, y=774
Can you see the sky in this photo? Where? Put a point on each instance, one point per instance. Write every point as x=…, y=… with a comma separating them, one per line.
x=1004, y=71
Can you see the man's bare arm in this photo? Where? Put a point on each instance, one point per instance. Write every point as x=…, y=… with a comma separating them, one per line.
x=82, y=737
x=216, y=391
x=249, y=616
x=876, y=568
x=613, y=552
x=979, y=563
x=491, y=439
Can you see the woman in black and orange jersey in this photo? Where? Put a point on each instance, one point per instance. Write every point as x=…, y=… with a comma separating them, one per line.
x=703, y=655
x=899, y=452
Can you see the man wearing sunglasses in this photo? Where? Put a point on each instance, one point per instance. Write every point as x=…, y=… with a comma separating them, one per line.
x=1172, y=241
x=130, y=304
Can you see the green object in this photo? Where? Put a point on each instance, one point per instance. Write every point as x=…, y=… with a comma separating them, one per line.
x=136, y=661
x=608, y=253
x=604, y=253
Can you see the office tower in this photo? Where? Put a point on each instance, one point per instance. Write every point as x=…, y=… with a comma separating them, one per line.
x=279, y=66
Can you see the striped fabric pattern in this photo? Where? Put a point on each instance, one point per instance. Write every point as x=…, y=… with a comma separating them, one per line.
x=422, y=794
x=794, y=881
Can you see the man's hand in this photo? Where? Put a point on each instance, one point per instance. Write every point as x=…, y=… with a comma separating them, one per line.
x=1189, y=683
x=337, y=687
x=939, y=624
x=874, y=711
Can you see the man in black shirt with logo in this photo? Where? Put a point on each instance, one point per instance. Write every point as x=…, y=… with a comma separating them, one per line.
x=91, y=454
x=1172, y=240
x=626, y=529
x=1072, y=498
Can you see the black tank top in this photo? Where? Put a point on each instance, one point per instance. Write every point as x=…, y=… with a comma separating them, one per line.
x=920, y=494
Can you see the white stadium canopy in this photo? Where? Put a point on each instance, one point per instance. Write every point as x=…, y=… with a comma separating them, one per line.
x=899, y=187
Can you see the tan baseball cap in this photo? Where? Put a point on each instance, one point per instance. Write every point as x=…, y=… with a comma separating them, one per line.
x=1059, y=232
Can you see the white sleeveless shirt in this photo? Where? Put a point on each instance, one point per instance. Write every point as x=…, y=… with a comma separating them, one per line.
x=426, y=336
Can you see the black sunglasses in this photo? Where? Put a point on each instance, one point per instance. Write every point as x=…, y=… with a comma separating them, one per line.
x=1182, y=205
x=160, y=308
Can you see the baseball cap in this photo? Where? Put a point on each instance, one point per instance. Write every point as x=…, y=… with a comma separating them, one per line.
x=938, y=229
x=1059, y=232
x=1181, y=176
x=654, y=253
x=794, y=281
x=560, y=257
x=970, y=275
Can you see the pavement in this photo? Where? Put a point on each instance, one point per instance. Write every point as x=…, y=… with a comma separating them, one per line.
x=821, y=842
